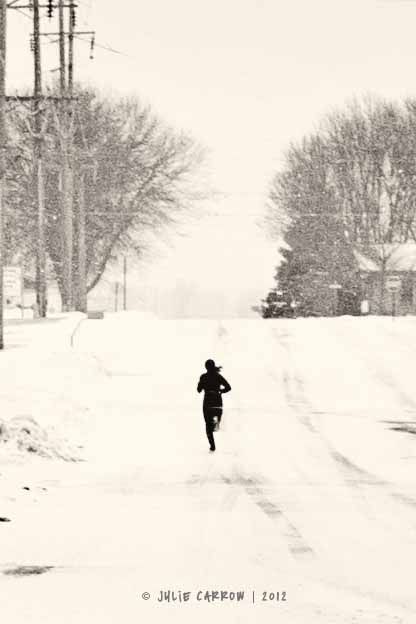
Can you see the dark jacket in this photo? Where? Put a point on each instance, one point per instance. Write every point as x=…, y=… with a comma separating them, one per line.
x=214, y=386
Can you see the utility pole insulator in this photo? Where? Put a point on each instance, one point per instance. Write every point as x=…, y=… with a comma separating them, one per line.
x=50, y=9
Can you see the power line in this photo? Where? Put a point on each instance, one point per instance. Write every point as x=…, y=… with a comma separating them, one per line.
x=104, y=47
x=22, y=12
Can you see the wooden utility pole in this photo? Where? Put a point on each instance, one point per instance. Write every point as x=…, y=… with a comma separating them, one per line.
x=81, y=303
x=66, y=177
x=116, y=297
x=71, y=28
x=124, y=283
x=74, y=285
x=62, y=64
x=3, y=12
x=39, y=183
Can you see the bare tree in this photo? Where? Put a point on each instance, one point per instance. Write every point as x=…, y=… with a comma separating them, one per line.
x=139, y=175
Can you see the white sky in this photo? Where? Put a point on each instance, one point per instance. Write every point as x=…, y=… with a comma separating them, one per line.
x=245, y=77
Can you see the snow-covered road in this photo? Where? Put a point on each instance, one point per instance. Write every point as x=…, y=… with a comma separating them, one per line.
x=311, y=493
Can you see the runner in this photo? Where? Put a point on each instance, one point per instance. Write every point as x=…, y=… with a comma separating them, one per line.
x=214, y=385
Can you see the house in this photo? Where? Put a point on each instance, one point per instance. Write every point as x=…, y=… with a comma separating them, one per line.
x=376, y=265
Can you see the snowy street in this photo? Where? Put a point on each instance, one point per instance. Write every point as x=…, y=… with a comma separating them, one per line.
x=311, y=492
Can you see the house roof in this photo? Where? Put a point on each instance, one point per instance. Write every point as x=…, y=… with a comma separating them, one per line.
x=400, y=257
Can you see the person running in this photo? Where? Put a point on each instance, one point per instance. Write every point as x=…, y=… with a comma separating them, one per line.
x=214, y=385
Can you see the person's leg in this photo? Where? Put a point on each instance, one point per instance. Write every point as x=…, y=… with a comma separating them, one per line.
x=210, y=434
x=209, y=427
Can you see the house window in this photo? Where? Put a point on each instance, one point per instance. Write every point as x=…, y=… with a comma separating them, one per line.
x=407, y=290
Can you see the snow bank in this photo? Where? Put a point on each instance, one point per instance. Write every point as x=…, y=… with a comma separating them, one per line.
x=23, y=435
x=43, y=409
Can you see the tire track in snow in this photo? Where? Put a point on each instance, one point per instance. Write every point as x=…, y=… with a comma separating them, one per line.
x=301, y=406
x=379, y=372
x=297, y=545
x=361, y=476
x=232, y=495
x=254, y=487
x=294, y=395
x=293, y=385
x=354, y=474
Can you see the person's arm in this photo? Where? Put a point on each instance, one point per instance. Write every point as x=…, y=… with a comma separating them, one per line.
x=200, y=385
x=226, y=385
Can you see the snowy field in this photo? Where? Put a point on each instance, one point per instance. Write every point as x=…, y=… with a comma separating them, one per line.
x=110, y=490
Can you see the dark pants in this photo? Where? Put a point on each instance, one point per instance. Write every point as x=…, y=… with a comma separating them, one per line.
x=209, y=414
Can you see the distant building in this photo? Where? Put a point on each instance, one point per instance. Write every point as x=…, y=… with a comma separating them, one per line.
x=376, y=265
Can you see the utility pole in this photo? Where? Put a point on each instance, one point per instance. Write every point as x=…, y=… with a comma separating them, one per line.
x=66, y=177
x=74, y=286
x=82, y=256
x=3, y=12
x=124, y=283
x=80, y=291
x=116, y=297
x=71, y=27
x=39, y=184
x=62, y=65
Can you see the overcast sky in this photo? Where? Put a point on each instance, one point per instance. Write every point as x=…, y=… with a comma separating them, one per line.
x=245, y=77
